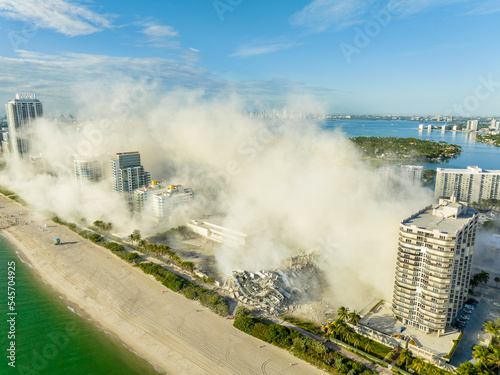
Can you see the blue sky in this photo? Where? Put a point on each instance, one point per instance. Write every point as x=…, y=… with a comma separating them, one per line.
x=352, y=56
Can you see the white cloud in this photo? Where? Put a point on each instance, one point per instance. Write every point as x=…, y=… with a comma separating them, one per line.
x=408, y=7
x=58, y=77
x=260, y=47
x=321, y=15
x=155, y=31
x=488, y=7
x=67, y=18
x=324, y=15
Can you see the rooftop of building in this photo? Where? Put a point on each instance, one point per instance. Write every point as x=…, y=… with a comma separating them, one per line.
x=174, y=189
x=155, y=185
x=469, y=170
x=216, y=222
x=25, y=97
x=447, y=217
x=418, y=167
x=126, y=153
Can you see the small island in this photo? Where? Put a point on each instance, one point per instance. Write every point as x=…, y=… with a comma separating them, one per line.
x=489, y=138
x=406, y=149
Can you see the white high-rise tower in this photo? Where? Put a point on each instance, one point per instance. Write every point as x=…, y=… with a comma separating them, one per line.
x=21, y=113
x=433, y=268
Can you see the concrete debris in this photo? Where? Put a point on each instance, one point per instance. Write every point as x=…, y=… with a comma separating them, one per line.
x=273, y=290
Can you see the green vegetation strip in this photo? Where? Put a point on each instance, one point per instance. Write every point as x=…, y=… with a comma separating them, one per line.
x=376, y=305
x=406, y=148
x=171, y=280
x=190, y=290
x=304, y=324
x=342, y=332
x=361, y=353
x=455, y=344
x=5, y=191
x=309, y=350
x=491, y=139
x=11, y=195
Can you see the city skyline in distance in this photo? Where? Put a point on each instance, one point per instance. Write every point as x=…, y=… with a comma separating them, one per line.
x=345, y=56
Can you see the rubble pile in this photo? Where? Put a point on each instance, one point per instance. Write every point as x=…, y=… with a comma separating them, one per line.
x=274, y=290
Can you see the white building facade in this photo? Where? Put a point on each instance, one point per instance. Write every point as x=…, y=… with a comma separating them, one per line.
x=469, y=185
x=22, y=112
x=127, y=173
x=434, y=259
x=86, y=169
x=165, y=202
x=143, y=197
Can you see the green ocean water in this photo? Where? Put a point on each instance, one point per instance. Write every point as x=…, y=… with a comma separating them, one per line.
x=50, y=338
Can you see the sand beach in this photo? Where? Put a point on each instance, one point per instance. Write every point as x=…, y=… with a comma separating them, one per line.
x=175, y=334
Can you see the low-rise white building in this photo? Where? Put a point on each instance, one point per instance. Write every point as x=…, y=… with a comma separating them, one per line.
x=144, y=196
x=164, y=202
x=211, y=229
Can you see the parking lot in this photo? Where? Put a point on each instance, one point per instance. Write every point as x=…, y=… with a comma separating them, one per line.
x=473, y=331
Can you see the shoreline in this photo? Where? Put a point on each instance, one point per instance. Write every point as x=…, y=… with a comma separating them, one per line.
x=74, y=308
x=174, y=334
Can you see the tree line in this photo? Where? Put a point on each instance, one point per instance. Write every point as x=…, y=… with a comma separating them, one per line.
x=171, y=280
x=493, y=139
x=406, y=148
x=160, y=250
x=190, y=290
x=302, y=347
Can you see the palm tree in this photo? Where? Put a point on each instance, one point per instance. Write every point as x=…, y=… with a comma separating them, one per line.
x=490, y=327
x=367, y=345
x=483, y=278
x=466, y=368
x=342, y=313
x=346, y=333
x=405, y=358
x=497, y=280
x=480, y=353
x=353, y=318
x=430, y=369
x=338, y=327
x=493, y=358
x=418, y=364
x=355, y=340
x=474, y=282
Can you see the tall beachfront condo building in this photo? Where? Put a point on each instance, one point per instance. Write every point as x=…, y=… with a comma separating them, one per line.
x=411, y=173
x=127, y=173
x=165, y=202
x=469, y=185
x=21, y=113
x=86, y=169
x=433, y=265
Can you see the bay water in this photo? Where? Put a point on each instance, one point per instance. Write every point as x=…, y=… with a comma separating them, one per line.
x=474, y=153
